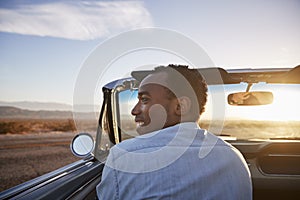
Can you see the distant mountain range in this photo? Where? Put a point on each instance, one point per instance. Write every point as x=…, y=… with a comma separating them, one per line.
x=50, y=106
x=13, y=112
x=10, y=112
x=31, y=105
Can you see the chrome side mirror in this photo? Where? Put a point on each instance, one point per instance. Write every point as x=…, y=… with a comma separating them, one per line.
x=82, y=145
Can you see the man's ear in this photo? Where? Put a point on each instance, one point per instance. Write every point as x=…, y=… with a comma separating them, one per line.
x=183, y=105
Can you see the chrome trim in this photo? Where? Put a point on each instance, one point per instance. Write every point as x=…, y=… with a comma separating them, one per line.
x=128, y=83
x=114, y=117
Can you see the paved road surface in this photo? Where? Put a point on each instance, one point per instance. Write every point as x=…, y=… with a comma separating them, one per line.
x=23, y=157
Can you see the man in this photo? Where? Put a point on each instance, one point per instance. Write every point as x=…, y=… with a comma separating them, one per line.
x=165, y=161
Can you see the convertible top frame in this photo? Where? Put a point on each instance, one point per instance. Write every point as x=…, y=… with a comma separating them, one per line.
x=235, y=76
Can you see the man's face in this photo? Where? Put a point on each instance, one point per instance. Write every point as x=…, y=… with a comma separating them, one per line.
x=155, y=109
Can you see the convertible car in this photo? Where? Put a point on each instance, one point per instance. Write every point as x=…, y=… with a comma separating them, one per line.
x=256, y=110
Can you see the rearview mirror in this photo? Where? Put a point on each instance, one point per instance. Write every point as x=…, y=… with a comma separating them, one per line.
x=82, y=145
x=250, y=98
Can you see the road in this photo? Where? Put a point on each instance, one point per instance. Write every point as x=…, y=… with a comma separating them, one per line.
x=23, y=157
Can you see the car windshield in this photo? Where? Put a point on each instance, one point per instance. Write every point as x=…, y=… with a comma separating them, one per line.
x=278, y=120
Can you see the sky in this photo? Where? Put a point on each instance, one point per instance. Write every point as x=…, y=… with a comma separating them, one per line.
x=45, y=44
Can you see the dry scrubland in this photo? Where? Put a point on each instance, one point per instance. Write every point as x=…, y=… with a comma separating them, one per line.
x=24, y=126
x=241, y=129
x=245, y=129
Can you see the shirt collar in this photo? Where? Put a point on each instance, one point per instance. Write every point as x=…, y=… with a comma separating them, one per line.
x=183, y=125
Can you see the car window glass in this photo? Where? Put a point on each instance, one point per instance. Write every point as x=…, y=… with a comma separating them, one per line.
x=241, y=122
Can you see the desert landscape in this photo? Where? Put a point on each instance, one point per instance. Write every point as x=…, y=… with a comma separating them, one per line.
x=26, y=156
x=33, y=143
x=241, y=129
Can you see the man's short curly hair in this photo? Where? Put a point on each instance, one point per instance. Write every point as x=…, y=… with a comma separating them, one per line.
x=192, y=79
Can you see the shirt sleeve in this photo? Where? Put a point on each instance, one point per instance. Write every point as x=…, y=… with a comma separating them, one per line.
x=108, y=187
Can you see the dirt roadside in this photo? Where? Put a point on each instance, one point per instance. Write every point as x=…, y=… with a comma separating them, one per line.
x=23, y=157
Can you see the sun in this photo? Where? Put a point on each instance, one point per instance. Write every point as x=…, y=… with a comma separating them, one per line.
x=286, y=105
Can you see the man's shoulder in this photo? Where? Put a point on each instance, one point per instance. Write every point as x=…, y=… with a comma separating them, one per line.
x=151, y=140
x=128, y=144
x=172, y=136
